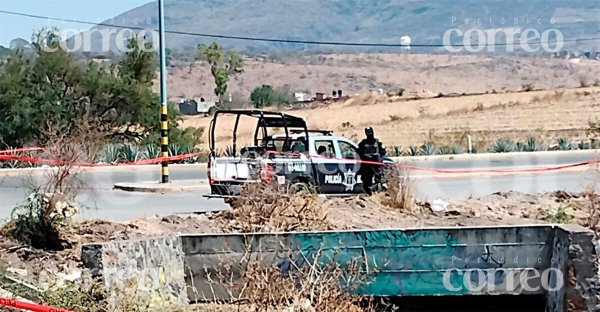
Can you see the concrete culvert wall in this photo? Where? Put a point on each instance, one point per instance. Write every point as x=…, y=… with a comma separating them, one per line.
x=472, y=262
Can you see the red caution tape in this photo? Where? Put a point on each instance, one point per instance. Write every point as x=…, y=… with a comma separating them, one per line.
x=56, y=162
x=12, y=303
x=21, y=150
x=454, y=171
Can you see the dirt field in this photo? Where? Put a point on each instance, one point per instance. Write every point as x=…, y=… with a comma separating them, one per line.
x=356, y=73
x=402, y=121
x=351, y=213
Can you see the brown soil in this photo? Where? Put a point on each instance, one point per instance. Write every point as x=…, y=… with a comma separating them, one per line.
x=350, y=213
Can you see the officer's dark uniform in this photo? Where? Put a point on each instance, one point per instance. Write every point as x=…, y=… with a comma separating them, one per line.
x=370, y=149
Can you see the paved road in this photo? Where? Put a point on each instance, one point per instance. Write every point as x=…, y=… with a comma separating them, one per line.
x=103, y=202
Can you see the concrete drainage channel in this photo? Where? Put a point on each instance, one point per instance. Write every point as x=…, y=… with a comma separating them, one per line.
x=549, y=266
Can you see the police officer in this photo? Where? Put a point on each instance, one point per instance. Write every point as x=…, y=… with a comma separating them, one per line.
x=370, y=150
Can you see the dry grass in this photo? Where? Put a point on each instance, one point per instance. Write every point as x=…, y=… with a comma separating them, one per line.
x=311, y=282
x=265, y=208
x=356, y=73
x=545, y=114
x=398, y=195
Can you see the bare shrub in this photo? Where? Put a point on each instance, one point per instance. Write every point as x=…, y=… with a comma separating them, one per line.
x=527, y=87
x=592, y=210
x=50, y=204
x=310, y=283
x=398, y=194
x=264, y=208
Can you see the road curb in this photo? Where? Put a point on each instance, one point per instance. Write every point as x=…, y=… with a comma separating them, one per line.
x=156, y=187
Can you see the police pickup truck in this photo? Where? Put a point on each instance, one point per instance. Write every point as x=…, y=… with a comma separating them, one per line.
x=285, y=152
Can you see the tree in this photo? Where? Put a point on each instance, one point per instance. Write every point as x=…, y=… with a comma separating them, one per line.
x=223, y=64
x=49, y=92
x=266, y=95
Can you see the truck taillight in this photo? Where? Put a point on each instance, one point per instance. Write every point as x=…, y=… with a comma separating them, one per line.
x=266, y=172
x=211, y=181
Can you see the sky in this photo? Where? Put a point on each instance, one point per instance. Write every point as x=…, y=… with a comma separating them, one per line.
x=88, y=10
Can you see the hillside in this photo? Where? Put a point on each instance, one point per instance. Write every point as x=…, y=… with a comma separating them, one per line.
x=4, y=51
x=381, y=21
x=355, y=73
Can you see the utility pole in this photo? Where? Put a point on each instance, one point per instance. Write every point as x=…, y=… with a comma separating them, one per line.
x=164, y=119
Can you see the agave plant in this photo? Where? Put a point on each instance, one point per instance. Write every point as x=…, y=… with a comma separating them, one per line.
x=428, y=149
x=130, y=152
x=532, y=145
x=151, y=151
x=189, y=149
x=412, y=151
x=564, y=144
x=457, y=149
x=503, y=145
x=445, y=150
x=230, y=151
x=595, y=144
x=111, y=154
x=520, y=147
x=582, y=145
x=397, y=151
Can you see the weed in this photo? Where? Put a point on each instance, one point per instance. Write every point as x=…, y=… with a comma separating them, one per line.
x=34, y=225
x=479, y=107
x=422, y=111
x=583, y=82
x=396, y=118
x=398, y=194
x=560, y=215
x=262, y=207
x=347, y=125
x=527, y=87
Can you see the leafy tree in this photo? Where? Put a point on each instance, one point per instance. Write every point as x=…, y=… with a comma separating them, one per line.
x=266, y=95
x=50, y=92
x=223, y=64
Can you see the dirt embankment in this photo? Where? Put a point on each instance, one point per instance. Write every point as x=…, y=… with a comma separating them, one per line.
x=350, y=213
